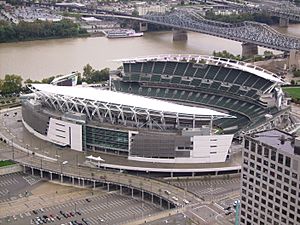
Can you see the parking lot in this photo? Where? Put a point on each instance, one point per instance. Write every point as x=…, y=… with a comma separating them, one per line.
x=16, y=185
x=212, y=189
x=220, y=192
x=109, y=208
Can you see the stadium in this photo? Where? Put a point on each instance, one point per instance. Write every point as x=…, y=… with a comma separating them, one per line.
x=168, y=109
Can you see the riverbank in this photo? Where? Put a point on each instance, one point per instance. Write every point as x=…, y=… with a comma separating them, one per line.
x=50, y=38
x=39, y=30
x=44, y=58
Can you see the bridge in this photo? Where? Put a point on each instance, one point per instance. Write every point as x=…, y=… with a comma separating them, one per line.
x=249, y=33
x=284, y=10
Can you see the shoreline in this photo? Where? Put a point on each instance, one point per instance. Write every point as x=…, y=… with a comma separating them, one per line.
x=45, y=39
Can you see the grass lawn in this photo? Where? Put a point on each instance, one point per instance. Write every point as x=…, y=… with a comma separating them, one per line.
x=6, y=163
x=294, y=92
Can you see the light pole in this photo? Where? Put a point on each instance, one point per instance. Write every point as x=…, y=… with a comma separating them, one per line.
x=61, y=165
x=27, y=149
x=12, y=149
x=237, y=211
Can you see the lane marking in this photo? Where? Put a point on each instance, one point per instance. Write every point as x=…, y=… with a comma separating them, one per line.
x=198, y=216
x=217, y=205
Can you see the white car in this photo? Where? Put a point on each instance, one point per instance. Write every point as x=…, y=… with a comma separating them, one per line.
x=167, y=192
x=175, y=198
x=185, y=201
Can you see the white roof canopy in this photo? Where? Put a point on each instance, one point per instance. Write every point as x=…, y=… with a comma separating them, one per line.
x=124, y=99
x=98, y=159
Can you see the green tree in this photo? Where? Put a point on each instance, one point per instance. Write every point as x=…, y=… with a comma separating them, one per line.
x=87, y=72
x=296, y=73
x=39, y=30
x=48, y=80
x=92, y=76
x=79, y=78
x=135, y=13
x=104, y=74
x=225, y=54
x=293, y=82
x=237, y=18
x=11, y=84
x=268, y=54
x=257, y=58
x=28, y=81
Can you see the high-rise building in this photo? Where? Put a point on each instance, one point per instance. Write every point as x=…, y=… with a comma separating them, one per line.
x=270, y=188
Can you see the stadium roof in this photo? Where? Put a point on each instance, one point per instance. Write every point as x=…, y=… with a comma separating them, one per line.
x=230, y=63
x=72, y=76
x=124, y=99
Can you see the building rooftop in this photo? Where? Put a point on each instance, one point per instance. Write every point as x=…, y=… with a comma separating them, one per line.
x=277, y=139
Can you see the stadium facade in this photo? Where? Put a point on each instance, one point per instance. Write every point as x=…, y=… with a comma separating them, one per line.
x=142, y=128
x=168, y=109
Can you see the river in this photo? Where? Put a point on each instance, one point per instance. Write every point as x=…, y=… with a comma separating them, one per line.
x=40, y=59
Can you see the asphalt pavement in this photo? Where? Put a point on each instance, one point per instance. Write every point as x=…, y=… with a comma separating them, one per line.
x=108, y=209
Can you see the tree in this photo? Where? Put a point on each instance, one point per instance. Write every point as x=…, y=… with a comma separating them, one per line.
x=11, y=84
x=296, y=73
x=48, y=80
x=225, y=54
x=39, y=30
x=92, y=76
x=1, y=85
x=268, y=54
x=103, y=74
x=135, y=13
x=87, y=72
x=29, y=81
x=79, y=78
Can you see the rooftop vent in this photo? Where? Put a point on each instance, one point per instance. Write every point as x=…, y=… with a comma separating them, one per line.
x=282, y=139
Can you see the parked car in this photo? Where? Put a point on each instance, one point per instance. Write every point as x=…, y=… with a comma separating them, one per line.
x=228, y=212
x=175, y=198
